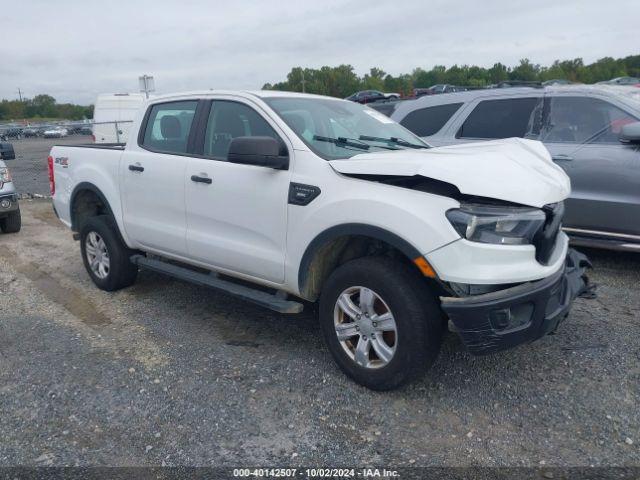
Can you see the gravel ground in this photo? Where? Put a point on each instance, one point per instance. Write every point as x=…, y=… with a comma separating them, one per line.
x=29, y=168
x=170, y=373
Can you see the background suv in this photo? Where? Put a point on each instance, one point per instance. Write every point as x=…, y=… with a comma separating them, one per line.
x=367, y=96
x=10, y=220
x=590, y=131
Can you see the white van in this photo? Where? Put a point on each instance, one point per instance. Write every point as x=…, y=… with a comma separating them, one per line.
x=113, y=116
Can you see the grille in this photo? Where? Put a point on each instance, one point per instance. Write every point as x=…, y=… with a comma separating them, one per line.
x=545, y=240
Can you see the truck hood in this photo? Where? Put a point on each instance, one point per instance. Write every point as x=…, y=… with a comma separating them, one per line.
x=514, y=170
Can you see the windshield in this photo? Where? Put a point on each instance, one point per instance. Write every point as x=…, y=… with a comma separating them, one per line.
x=335, y=129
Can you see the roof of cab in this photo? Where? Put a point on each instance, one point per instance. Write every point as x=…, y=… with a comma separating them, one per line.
x=242, y=93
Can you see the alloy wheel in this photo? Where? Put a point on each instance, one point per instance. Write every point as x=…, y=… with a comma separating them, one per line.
x=97, y=255
x=365, y=327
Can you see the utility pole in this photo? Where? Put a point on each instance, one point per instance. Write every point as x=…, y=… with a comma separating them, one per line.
x=20, y=94
x=147, y=84
x=303, y=81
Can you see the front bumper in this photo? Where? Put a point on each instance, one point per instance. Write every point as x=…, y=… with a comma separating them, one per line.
x=500, y=320
x=8, y=204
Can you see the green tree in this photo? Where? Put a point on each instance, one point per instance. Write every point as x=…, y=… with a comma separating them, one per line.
x=498, y=73
x=526, y=71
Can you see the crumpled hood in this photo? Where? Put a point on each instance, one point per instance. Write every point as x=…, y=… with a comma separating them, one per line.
x=514, y=169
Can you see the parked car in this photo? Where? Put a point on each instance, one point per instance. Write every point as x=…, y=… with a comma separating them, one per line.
x=73, y=128
x=56, y=132
x=30, y=132
x=43, y=128
x=11, y=133
x=10, y=221
x=622, y=81
x=517, y=84
x=86, y=130
x=591, y=132
x=437, y=89
x=352, y=211
x=556, y=81
x=369, y=96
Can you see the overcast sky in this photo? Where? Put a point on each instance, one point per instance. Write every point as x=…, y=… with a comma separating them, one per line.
x=74, y=50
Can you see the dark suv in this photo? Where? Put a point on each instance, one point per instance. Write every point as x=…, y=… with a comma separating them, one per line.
x=368, y=96
x=592, y=132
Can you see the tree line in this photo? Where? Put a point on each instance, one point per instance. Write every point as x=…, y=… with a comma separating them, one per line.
x=42, y=106
x=342, y=81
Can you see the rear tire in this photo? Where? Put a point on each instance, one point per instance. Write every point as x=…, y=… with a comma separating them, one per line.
x=12, y=223
x=401, y=327
x=105, y=255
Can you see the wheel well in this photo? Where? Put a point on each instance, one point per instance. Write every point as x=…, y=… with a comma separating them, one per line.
x=87, y=203
x=324, y=258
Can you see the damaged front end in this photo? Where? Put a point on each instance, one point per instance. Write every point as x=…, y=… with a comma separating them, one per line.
x=498, y=320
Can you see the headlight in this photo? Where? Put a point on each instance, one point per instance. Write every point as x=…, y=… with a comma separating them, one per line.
x=5, y=176
x=500, y=225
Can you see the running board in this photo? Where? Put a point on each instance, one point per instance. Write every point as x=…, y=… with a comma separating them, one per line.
x=258, y=297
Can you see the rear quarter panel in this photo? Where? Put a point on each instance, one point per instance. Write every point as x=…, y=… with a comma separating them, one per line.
x=75, y=166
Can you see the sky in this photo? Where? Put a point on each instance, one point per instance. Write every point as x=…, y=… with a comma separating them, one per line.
x=74, y=50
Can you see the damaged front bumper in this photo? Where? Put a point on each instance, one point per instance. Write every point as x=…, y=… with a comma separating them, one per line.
x=500, y=320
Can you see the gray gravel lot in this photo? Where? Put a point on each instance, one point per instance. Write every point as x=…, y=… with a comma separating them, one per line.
x=29, y=168
x=169, y=373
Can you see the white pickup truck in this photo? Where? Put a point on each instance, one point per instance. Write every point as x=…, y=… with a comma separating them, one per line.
x=277, y=197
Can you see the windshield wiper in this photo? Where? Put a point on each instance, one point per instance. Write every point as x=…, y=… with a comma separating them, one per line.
x=342, y=142
x=392, y=141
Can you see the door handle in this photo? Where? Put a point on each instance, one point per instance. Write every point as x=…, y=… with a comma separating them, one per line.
x=136, y=168
x=562, y=158
x=197, y=179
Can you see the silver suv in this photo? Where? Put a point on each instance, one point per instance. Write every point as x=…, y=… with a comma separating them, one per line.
x=10, y=220
x=592, y=132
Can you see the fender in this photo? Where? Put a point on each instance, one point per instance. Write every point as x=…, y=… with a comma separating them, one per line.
x=86, y=186
x=342, y=230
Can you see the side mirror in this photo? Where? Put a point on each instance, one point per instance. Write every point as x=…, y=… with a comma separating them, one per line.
x=7, y=152
x=260, y=151
x=630, y=133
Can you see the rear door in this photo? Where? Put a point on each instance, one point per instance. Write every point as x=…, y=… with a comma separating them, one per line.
x=152, y=178
x=581, y=132
x=496, y=118
x=429, y=122
x=236, y=214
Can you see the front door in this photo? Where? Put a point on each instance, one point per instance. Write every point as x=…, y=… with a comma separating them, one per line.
x=236, y=214
x=581, y=134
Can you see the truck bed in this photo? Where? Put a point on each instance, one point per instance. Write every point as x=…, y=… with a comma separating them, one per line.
x=95, y=163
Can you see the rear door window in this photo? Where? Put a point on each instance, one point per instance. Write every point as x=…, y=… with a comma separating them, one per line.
x=505, y=118
x=168, y=126
x=430, y=120
x=582, y=120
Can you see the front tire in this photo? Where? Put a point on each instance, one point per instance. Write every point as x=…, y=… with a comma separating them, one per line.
x=105, y=255
x=12, y=223
x=380, y=322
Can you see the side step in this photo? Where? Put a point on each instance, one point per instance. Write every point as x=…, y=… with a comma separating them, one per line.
x=258, y=297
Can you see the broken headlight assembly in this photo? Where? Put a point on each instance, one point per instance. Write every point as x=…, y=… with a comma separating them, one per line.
x=497, y=225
